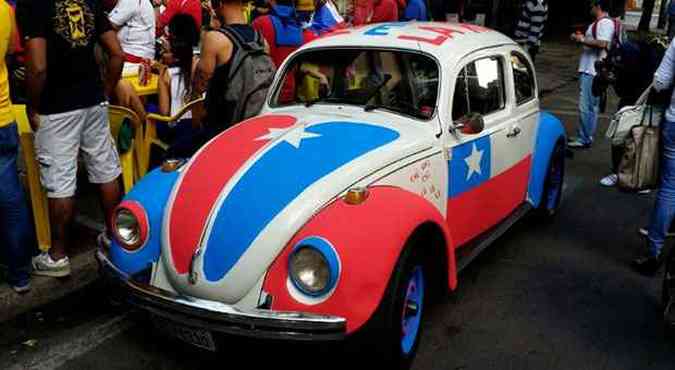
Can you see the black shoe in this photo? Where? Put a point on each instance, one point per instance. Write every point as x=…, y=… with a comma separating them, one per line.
x=647, y=265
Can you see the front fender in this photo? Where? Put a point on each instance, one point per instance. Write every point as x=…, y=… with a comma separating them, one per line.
x=151, y=192
x=550, y=131
x=368, y=239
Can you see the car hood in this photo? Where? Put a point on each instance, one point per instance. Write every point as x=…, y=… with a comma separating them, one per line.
x=243, y=196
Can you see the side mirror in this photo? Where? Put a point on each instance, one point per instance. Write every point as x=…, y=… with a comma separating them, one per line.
x=470, y=124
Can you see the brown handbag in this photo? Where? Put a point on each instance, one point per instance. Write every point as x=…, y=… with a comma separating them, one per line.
x=639, y=168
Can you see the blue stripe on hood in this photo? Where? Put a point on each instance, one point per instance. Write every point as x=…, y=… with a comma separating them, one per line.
x=276, y=179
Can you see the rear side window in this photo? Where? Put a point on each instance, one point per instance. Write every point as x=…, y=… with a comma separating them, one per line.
x=479, y=88
x=523, y=78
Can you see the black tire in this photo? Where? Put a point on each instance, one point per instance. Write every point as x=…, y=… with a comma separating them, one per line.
x=379, y=342
x=555, y=179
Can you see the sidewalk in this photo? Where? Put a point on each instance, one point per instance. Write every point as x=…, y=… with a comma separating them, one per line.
x=84, y=269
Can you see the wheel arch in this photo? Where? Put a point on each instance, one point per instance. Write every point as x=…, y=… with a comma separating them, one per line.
x=549, y=133
x=369, y=238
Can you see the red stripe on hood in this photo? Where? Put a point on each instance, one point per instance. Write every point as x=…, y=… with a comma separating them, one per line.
x=208, y=174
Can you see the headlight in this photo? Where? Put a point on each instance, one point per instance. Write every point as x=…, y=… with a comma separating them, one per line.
x=130, y=225
x=127, y=227
x=309, y=271
x=314, y=267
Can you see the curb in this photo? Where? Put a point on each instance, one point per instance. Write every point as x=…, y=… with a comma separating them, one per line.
x=84, y=271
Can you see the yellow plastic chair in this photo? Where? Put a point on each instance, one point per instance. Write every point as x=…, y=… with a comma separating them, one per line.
x=131, y=160
x=38, y=197
x=151, y=138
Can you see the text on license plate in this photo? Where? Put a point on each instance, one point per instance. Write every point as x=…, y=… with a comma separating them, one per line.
x=195, y=336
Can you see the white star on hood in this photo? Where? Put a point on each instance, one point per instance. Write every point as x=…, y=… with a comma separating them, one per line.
x=291, y=135
x=473, y=162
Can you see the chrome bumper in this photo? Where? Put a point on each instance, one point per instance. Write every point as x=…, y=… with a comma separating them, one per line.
x=219, y=317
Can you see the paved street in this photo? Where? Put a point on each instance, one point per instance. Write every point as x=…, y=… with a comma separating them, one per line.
x=556, y=296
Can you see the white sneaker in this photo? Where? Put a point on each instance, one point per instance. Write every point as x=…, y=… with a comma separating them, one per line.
x=644, y=232
x=577, y=144
x=44, y=265
x=644, y=192
x=609, y=180
x=21, y=289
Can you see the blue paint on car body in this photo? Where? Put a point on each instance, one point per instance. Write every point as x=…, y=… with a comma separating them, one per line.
x=550, y=131
x=152, y=192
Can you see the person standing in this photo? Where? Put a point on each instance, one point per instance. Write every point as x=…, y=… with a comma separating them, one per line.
x=663, y=212
x=134, y=21
x=14, y=215
x=595, y=42
x=215, y=75
x=68, y=111
x=530, y=27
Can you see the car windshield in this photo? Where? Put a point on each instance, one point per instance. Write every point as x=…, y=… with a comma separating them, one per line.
x=400, y=81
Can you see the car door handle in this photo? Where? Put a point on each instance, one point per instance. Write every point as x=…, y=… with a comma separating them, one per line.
x=514, y=132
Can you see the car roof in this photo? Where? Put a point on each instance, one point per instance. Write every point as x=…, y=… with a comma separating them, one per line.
x=441, y=40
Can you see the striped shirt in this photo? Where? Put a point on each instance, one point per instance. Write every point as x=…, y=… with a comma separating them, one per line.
x=533, y=16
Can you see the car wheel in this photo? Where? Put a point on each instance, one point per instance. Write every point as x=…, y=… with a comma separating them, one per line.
x=553, y=184
x=392, y=336
x=668, y=294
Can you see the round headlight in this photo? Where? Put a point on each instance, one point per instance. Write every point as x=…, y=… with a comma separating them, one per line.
x=309, y=271
x=127, y=228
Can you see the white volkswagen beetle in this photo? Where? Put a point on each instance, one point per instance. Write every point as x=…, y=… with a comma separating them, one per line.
x=386, y=159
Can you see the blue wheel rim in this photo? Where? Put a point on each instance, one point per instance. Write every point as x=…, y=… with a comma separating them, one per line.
x=412, y=310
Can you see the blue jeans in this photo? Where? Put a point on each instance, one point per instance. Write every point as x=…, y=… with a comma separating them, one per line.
x=16, y=241
x=589, y=106
x=664, y=209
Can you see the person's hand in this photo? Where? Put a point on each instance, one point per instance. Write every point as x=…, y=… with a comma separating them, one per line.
x=33, y=119
x=577, y=37
x=323, y=80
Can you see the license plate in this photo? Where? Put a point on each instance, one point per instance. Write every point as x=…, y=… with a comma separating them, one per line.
x=195, y=336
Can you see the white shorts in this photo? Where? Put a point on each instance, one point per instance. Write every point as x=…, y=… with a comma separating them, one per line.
x=59, y=140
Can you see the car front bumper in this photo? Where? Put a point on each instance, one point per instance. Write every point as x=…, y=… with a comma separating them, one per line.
x=219, y=317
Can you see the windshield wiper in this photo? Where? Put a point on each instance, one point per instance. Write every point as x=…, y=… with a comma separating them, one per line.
x=376, y=90
x=309, y=103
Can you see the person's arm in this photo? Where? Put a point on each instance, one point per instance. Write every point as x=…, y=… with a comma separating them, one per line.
x=663, y=78
x=164, y=92
x=605, y=32
x=213, y=44
x=112, y=46
x=122, y=13
x=36, y=75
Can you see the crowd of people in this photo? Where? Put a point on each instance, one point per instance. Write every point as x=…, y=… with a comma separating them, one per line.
x=64, y=60
x=71, y=54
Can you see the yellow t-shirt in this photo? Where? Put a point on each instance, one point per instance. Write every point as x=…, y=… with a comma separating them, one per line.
x=6, y=113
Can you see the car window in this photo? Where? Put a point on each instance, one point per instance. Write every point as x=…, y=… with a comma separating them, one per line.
x=479, y=88
x=523, y=78
x=401, y=81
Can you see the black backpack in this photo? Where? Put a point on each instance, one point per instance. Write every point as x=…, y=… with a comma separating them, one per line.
x=242, y=92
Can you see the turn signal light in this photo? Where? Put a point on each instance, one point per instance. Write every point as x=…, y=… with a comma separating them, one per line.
x=356, y=196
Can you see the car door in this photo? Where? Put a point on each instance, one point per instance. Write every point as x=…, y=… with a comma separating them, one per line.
x=525, y=109
x=487, y=180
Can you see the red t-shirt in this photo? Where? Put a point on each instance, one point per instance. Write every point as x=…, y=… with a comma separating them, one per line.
x=191, y=7
x=264, y=25
x=362, y=10
x=385, y=11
